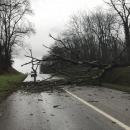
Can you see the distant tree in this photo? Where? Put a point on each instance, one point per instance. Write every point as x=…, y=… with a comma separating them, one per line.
x=104, y=28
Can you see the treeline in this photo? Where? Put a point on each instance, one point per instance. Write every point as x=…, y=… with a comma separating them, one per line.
x=13, y=28
x=101, y=37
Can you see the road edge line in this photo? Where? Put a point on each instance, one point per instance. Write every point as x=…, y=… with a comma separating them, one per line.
x=121, y=124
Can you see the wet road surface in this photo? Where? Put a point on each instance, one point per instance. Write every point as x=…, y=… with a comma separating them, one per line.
x=61, y=111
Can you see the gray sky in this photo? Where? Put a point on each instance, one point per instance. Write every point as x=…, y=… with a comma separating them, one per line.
x=51, y=16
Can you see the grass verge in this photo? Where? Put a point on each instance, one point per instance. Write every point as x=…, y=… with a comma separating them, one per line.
x=117, y=87
x=118, y=78
x=9, y=83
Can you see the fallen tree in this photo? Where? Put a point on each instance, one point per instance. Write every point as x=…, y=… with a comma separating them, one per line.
x=90, y=65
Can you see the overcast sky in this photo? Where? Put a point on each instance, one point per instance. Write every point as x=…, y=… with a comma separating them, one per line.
x=51, y=16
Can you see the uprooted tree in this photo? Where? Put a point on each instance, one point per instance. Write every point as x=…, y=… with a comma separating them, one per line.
x=92, y=41
x=56, y=59
x=95, y=42
x=57, y=63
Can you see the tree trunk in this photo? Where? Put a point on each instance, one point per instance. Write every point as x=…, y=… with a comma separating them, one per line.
x=34, y=79
x=128, y=50
x=127, y=41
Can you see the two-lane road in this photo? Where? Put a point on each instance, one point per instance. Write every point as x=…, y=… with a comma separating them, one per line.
x=79, y=108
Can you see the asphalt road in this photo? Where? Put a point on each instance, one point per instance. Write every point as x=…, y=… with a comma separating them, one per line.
x=79, y=108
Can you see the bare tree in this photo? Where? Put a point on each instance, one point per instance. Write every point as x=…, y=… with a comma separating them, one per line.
x=91, y=37
x=13, y=26
x=103, y=27
x=122, y=8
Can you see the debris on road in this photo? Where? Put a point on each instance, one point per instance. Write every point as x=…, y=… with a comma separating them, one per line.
x=31, y=114
x=52, y=115
x=56, y=106
x=92, y=101
x=42, y=86
x=0, y=114
x=40, y=100
x=113, y=122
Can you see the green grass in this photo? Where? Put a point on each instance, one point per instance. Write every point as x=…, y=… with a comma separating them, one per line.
x=8, y=83
x=117, y=87
x=118, y=78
